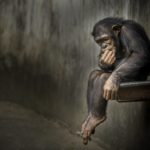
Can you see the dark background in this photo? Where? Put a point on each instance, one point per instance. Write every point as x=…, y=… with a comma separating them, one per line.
x=46, y=54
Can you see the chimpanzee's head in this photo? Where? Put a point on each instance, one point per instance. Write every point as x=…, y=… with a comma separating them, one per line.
x=106, y=33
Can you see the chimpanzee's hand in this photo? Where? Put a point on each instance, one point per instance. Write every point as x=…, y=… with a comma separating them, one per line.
x=108, y=57
x=110, y=89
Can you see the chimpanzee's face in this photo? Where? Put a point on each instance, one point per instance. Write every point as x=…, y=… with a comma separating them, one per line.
x=107, y=45
x=106, y=36
x=106, y=42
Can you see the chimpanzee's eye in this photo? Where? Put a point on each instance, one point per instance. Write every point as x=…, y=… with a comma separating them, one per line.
x=104, y=45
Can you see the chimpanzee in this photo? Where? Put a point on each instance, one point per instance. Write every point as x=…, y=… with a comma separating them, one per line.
x=124, y=56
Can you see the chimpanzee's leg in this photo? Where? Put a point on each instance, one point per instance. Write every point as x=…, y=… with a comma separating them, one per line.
x=92, y=77
x=96, y=103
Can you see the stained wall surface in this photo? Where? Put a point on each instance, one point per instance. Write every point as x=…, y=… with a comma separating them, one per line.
x=46, y=55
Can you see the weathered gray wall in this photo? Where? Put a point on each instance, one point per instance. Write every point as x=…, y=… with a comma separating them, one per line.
x=46, y=54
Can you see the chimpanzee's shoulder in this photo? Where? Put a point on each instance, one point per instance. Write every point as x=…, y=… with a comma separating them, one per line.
x=133, y=25
x=136, y=29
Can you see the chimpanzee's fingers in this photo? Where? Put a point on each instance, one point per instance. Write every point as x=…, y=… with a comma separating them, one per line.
x=102, y=60
x=89, y=134
x=107, y=58
x=104, y=55
x=108, y=94
x=85, y=137
x=112, y=95
x=105, y=94
x=112, y=59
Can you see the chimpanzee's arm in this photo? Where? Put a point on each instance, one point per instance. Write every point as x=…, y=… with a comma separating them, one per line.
x=138, y=45
x=129, y=68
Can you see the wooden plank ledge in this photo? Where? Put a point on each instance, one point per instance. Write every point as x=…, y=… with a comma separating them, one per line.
x=134, y=91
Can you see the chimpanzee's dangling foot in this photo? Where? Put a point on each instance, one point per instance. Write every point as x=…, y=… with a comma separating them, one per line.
x=88, y=127
x=85, y=123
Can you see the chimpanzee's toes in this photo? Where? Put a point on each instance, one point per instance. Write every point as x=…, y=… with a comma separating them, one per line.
x=85, y=123
x=86, y=136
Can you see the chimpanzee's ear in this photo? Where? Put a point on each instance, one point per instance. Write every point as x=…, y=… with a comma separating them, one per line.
x=116, y=28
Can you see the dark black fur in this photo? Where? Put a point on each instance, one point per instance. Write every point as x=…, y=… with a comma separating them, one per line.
x=134, y=63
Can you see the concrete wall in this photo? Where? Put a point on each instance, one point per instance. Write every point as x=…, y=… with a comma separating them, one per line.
x=46, y=54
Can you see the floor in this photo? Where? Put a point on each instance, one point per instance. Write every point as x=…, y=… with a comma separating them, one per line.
x=23, y=129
